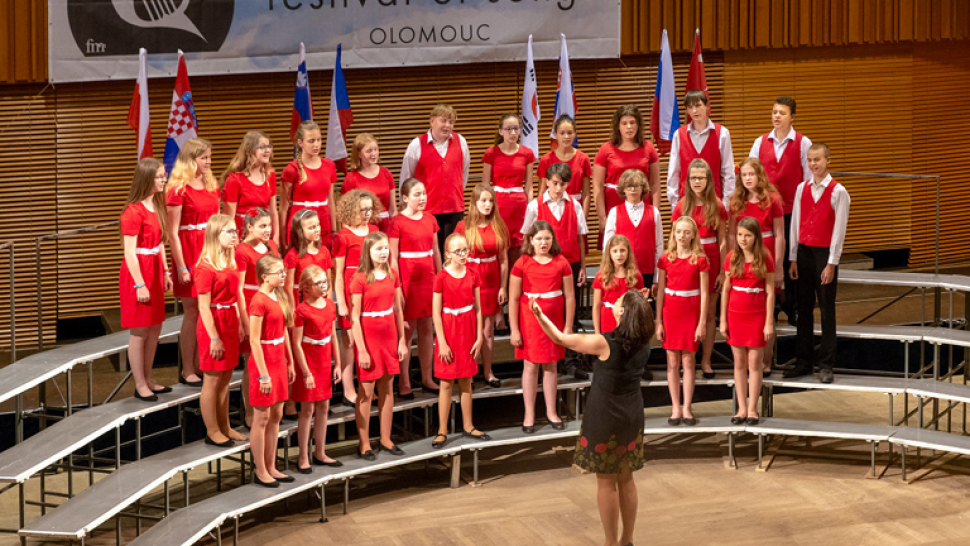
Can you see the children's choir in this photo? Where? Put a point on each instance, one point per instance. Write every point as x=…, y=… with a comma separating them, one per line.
x=319, y=291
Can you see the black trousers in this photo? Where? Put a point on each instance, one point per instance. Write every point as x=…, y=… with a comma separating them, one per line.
x=811, y=261
x=446, y=226
x=791, y=285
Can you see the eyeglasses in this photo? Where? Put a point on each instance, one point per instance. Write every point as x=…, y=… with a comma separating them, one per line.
x=231, y=231
x=368, y=210
x=321, y=284
x=511, y=129
x=460, y=252
x=281, y=273
x=264, y=147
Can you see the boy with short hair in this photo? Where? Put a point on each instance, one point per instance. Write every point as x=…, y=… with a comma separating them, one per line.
x=703, y=139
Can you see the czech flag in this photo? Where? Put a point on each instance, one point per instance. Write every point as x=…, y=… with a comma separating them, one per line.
x=341, y=117
x=138, y=118
x=530, y=106
x=302, y=106
x=696, y=80
x=665, y=119
x=182, y=123
x=565, y=94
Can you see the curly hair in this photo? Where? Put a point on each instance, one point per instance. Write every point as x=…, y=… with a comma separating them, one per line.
x=348, y=208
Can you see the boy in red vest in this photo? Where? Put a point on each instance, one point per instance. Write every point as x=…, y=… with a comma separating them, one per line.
x=638, y=221
x=701, y=139
x=440, y=158
x=818, y=222
x=784, y=153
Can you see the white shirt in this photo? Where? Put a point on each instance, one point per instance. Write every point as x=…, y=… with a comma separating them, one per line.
x=413, y=155
x=840, y=204
x=699, y=139
x=636, y=215
x=557, y=208
x=780, y=146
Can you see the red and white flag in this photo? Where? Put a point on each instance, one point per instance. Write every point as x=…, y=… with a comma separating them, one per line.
x=138, y=118
x=341, y=116
x=696, y=80
x=530, y=106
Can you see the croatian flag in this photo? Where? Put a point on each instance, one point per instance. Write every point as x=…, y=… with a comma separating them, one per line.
x=665, y=119
x=341, y=117
x=302, y=106
x=138, y=118
x=696, y=80
x=530, y=106
x=182, y=124
x=565, y=94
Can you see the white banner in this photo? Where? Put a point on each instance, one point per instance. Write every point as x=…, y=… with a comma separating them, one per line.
x=99, y=39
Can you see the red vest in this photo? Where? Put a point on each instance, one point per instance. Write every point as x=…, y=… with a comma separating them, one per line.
x=787, y=173
x=442, y=176
x=565, y=228
x=710, y=153
x=816, y=219
x=643, y=237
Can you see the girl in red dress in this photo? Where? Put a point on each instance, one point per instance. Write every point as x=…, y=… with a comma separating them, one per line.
x=379, y=339
x=702, y=205
x=682, y=301
x=250, y=182
x=308, y=183
x=458, y=329
x=270, y=367
x=747, y=314
x=223, y=320
x=618, y=273
x=508, y=169
x=191, y=198
x=543, y=275
x=578, y=161
x=307, y=249
x=414, y=253
x=366, y=174
x=758, y=198
x=144, y=279
x=356, y=212
x=626, y=149
x=314, y=335
x=488, y=244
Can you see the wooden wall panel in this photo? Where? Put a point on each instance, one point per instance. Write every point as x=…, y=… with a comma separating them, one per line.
x=23, y=41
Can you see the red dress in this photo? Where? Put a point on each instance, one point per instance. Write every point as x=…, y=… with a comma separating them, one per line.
x=682, y=313
x=609, y=297
x=381, y=186
x=708, y=236
x=247, y=196
x=485, y=264
x=508, y=179
x=246, y=258
x=197, y=207
x=579, y=165
x=766, y=221
x=348, y=245
x=317, y=346
x=378, y=325
x=272, y=341
x=313, y=194
x=139, y=221
x=459, y=322
x=223, y=286
x=297, y=264
x=616, y=162
x=416, y=261
x=543, y=281
x=746, y=311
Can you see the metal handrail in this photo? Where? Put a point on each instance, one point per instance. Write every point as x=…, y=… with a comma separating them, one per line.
x=13, y=303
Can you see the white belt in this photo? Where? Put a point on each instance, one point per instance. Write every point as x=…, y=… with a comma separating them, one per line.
x=748, y=290
x=221, y=306
x=683, y=293
x=543, y=295
x=413, y=255
x=458, y=311
x=149, y=251
x=192, y=227
x=766, y=234
x=490, y=259
x=500, y=189
x=311, y=203
x=384, y=215
x=311, y=341
x=610, y=186
x=708, y=240
x=377, y=313
x=609, y=305
x=272, y=341
x=251, y=286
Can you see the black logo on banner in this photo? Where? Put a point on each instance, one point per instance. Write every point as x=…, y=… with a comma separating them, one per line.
x=120, y=27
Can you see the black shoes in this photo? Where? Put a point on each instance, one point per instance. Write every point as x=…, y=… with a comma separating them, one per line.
x=494, y=383
x=286, y=479
x=738, y=420
x=707, y=375
x=471, y=434
x=689, y=421
x=319, y=462
x=825, y=375
x=307, y=470
x=393, y=450
x=528, y=429
x=674, y=421
x=408, y=396
x=368, y=455
x=580, y=374
x=752, y=420
x=271, y=484
x=162, y=390
x=184, y=381
x=797, y=371
x=438, y=443
x=432, y=390
x=557, y=425
x=765, y=374
x=150, y=398
x=228, y=443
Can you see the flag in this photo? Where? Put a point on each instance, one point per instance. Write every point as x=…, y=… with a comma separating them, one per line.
x=302, y=106
x=565, y=93
x=696, y=80
x=665, y=119
x=138, y=118
x=182, y=123
x=341, y=117
x=530, y=106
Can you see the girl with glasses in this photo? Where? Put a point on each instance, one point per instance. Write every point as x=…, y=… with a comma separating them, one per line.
x=508, y=169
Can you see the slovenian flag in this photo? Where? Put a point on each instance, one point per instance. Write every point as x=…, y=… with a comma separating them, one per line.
x=138, y=118
x=182, y=123
x=529, y=137
x=302, y=106
x=341, y=116
x=665, y=119
x=565, y=93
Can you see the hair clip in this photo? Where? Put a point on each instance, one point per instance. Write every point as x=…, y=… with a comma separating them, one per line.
x=253, y=213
